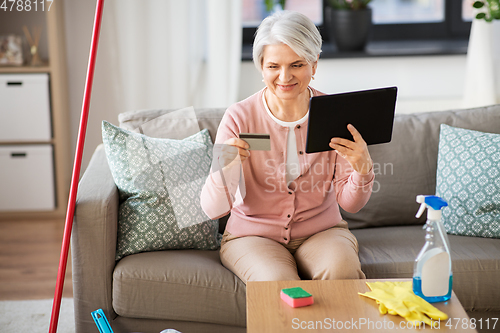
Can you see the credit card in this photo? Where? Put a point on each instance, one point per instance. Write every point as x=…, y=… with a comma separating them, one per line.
x=257, y=141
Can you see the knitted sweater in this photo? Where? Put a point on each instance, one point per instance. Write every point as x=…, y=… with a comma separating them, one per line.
x=256, y=193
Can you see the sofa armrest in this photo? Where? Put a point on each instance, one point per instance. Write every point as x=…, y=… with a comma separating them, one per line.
x=93, y=242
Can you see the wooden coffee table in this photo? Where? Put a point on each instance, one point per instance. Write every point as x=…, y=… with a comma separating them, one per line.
x=337, y=307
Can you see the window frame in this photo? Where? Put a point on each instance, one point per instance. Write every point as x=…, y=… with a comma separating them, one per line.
x=453, y=28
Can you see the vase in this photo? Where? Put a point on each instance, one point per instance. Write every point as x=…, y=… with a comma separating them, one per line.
x=349, y=28
x=482, y=75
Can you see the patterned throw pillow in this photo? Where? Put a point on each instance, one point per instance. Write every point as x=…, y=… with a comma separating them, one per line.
x=160, y=182
x=468, y=178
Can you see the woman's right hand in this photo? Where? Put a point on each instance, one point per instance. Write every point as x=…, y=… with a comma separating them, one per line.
x=231, y=150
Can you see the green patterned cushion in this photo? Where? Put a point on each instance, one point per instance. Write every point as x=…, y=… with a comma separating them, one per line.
x=468, y=178
x=160, y=182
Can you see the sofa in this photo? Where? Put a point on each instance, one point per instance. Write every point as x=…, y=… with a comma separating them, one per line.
x=190, y=291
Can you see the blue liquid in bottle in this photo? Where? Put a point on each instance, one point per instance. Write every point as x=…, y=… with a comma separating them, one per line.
x=417, y=289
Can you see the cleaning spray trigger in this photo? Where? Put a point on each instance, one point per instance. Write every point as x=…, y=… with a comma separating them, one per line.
x=433, y=205
x=421, y=201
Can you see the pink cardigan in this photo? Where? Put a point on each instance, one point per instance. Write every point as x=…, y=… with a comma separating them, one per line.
x=264, y=205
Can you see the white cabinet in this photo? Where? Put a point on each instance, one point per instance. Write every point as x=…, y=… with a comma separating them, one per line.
x=26, y=170
x=27, y=178
x=25, y=107
x=35, y=158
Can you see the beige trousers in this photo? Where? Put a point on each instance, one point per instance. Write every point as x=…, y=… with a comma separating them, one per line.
x=328, y=255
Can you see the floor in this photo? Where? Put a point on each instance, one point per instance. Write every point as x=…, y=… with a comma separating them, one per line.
x=29, y=259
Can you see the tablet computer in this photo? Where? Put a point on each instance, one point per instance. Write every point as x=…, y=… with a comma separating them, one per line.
x=371, y=112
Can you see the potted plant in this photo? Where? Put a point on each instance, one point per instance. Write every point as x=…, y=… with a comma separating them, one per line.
x=274, y=5
x=492, y=10
x=349, y=23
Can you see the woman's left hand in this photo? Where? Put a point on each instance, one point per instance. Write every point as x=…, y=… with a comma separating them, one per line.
x=356, y=153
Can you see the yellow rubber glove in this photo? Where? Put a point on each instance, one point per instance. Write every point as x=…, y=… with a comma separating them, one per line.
x=397, y=298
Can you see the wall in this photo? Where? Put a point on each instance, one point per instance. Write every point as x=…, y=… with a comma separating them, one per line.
x=79, y=20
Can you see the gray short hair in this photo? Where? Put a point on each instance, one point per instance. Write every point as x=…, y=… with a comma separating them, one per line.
x=291, y=28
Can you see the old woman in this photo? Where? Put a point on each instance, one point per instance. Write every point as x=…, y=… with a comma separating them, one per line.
x=285, y=222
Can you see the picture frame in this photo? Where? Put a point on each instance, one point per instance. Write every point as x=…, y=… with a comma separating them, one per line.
x=11, y=50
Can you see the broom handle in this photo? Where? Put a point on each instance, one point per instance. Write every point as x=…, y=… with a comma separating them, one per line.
x=76, y=169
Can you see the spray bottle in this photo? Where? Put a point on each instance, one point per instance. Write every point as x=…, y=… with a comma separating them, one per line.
x=432, y=276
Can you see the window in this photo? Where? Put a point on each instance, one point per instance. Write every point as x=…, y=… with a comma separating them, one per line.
x=420, y=19
x=404, y=12
x=393, y=20
x=467, y=14
x=254, y=11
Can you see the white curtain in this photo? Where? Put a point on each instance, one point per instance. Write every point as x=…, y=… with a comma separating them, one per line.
x=173, y=54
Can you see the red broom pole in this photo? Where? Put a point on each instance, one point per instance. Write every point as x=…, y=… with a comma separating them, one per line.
x=76, y=169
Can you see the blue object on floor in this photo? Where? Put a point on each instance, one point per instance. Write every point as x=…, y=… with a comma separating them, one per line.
x=101, y=321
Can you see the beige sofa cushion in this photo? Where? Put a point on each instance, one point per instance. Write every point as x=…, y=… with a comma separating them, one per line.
x=185, y=285
x=208, y=118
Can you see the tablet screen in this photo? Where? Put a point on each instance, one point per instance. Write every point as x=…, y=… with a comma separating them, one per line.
x=371, y=112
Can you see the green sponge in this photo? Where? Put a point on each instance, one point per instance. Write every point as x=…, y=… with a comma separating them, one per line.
x=296, y=297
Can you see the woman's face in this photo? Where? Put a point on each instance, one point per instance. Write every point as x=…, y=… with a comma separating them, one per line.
x=286, y=74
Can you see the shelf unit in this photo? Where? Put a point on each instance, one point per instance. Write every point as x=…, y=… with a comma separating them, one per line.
x=53, y=44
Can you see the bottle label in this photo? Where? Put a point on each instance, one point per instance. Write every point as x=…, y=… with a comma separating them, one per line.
x=436, y=275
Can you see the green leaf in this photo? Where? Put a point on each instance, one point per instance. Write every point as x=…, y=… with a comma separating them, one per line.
x=478, y=4
x=480, y=16
x=269, y=5
x=341, y=4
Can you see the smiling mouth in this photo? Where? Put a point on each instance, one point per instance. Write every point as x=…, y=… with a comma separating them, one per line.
x=287, y=86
